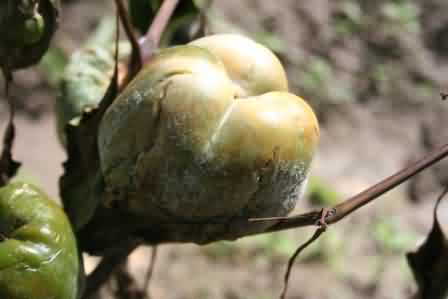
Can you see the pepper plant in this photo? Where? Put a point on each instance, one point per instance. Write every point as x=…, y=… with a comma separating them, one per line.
x=198, y=140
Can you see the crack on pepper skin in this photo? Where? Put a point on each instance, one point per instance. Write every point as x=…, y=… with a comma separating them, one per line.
x=159, y=107
x=132, y=160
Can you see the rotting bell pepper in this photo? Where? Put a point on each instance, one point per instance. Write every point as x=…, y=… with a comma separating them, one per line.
x=207, y=134
x=38, y=251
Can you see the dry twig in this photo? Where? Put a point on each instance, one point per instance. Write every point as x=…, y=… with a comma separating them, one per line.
x=350, y=205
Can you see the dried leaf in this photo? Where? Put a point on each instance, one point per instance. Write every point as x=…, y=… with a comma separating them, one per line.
x=8, y=166
x=87, y=88
x=81, y=184
x=429, y=263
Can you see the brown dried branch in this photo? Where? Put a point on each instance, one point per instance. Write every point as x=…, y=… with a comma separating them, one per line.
x=320, y=230
x=350, y=205
x=107, y=266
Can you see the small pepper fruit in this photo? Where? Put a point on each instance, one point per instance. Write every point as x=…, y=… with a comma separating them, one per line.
x=38, y=252
x=26, y=29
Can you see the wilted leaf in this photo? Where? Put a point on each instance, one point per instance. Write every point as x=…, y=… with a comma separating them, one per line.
x=81, y=183
x=429, y=263
x=87, y=81
x=8, y=166
x=82, y=188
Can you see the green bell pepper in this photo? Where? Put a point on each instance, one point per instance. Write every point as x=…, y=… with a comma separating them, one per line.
x=38, y=252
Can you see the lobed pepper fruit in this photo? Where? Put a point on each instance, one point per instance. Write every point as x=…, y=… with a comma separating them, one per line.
x=207, y=134
x=38, y=251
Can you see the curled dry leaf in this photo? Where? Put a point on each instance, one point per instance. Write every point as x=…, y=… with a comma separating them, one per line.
x=429, y=263
x=8, y=166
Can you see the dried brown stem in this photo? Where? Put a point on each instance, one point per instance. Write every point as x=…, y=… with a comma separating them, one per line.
x=107, y=266
x=127, y=287
x=292, y=259
x=333, y=215
x=350, y=205
x=150, y=42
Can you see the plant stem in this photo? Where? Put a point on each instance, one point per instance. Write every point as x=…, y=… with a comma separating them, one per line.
x=106, y=267
x=136, y=61
x=151, y=40
x=350, y=205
